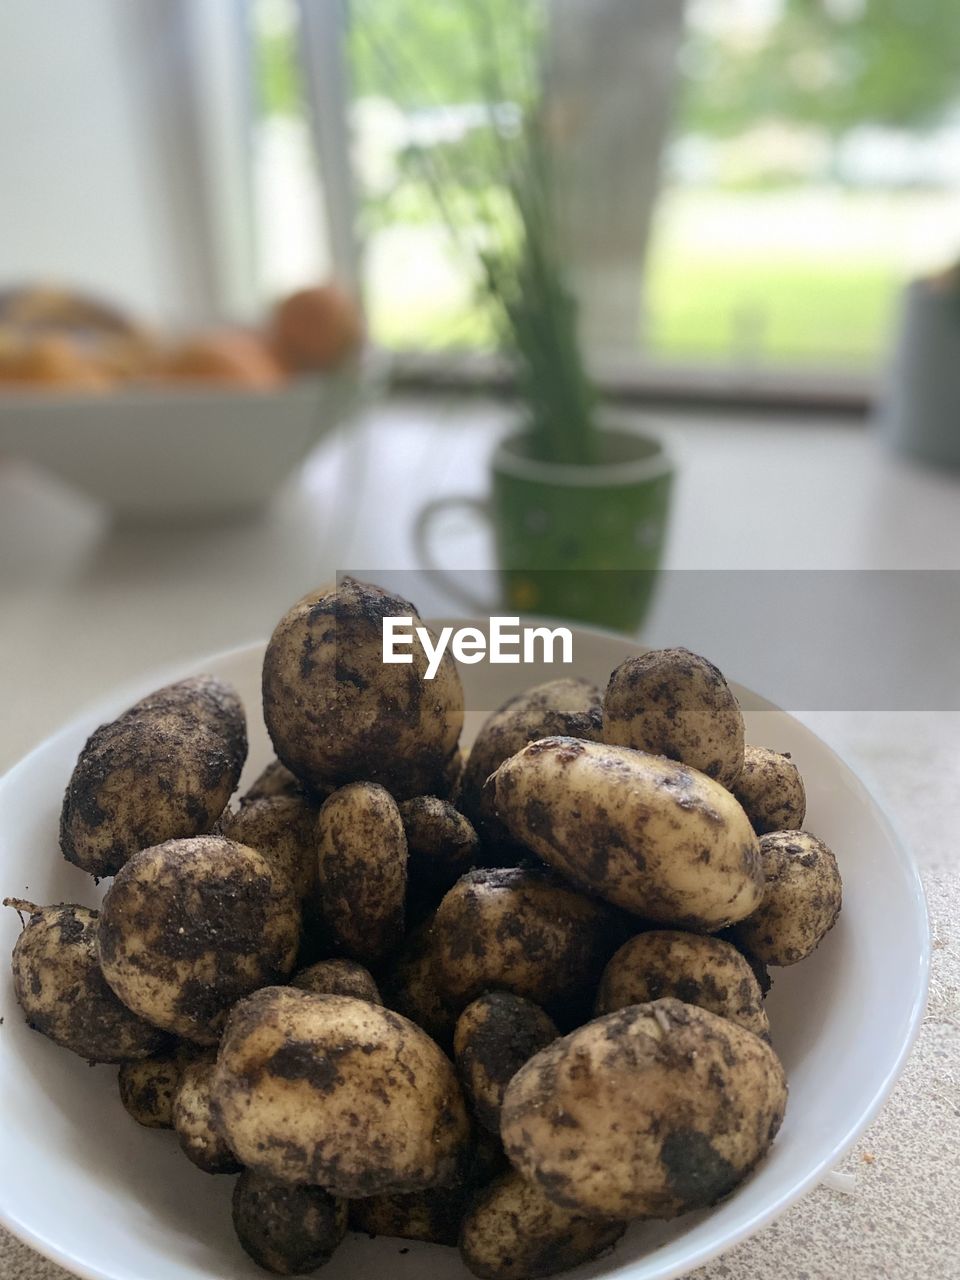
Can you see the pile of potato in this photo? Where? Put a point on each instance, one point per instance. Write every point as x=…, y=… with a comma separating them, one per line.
x=508, y=1002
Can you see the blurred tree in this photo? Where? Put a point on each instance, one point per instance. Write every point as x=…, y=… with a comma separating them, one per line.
x=832, y=63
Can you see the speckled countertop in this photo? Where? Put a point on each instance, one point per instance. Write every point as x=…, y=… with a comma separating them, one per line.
x=125, y=596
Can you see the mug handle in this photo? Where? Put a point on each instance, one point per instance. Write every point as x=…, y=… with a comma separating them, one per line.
x=421, y=540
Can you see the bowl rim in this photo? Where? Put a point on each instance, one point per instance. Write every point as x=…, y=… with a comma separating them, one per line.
x=130, y=690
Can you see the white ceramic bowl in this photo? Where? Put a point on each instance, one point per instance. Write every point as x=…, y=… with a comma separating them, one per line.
x=81, y=1182
x=168, y=453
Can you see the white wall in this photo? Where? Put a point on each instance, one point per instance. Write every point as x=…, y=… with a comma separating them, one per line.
x=100, y=175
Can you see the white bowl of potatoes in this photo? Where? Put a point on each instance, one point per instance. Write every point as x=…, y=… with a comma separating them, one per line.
x=513, y=1029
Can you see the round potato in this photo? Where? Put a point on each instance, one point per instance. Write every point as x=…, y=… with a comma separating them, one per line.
x=673, y=703
x=441, y=842
x=522, y=931
x=165, y=769
x=514, y=1232
x=339, y=1093
x=567, y=706
x=337, y=713
x=338, y=978
x=283, y=830
x=199, y=1140
x=646, y=1112
x=495, y=1035
x=771, y=791
x=802, y=900
x=693, y=968
x=147, y=1085
x=190, y=926
x=286, y=1229
x=648, y=834
x=411, y=986
x=59, y=986
x=362, y=871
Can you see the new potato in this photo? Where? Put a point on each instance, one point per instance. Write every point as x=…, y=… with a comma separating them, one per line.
x=361, y=871
x=771, y=791
x=514, y=1232
x=801, y=903
x=190, y=926
x=647, y=1112
x=672, y=702
x=286, y=1229
x=647, y=834
x=336, y=713
x=59, y=986
x=337, y=1092
x=692, y=967
x=163, y=770
x=495, y=1035
x=192, y=1118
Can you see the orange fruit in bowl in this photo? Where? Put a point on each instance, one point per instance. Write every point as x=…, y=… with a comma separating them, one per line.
x=226, y=356
x=317, y=328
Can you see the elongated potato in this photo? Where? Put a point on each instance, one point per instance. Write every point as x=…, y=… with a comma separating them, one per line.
x=771, y=791
x=199, y=1140
x=59, y=987
x=339, y=1093
x=495, y=1035
x=190, y=926
x=337, y=713
x=286, y=1229
x=362, y=871
x=525, y=932
x=411, y=986
x=801, y=903
x=672, y=702
x=567, y=706
x=163, y=770
x=648, y=834
x=514, y=1232
x=696, y=969
x=646, y=1112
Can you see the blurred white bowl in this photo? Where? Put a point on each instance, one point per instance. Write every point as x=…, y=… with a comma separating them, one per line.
x=188, y=451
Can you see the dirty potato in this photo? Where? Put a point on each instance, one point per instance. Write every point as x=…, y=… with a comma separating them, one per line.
x=338, y=978
x=362, y=871
x=289, y=1230
x=495, y=1035
x=802, y=899
x=568, y=706
x=147, y=1085
x=646, y=1112
x=337, y=713
x=165, y=769
x=411, y=986
x=514, y=1232
x=524, y=931
x=648, y=834
x=199, y=1140
x=283, y=830
x=771, y=791
x=273, y=780
x=441, y=842
x=692, y=967
x=59, y=987
x=190, y=926
x=671, y=702
x=337, y=1092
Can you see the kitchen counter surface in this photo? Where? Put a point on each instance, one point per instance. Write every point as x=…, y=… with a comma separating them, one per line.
x=85, y=606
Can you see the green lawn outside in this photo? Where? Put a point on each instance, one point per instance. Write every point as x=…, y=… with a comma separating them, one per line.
x=790, y=277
